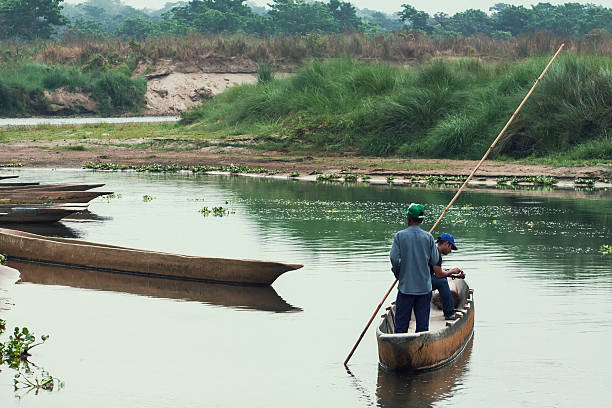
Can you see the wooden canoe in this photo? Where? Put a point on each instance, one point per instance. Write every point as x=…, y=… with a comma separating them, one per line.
x=51, y=187
x=68, y=252
x=37, y=213
x=43, y=196
x=233, y=296
x=19, y=184
x=7, y=177
x=444, y=341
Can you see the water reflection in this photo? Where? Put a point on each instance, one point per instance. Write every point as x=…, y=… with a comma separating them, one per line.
x=55, y=229
x=407, y=390
x=232, y=296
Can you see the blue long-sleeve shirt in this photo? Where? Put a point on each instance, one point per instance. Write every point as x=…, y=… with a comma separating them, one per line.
x=413, y=251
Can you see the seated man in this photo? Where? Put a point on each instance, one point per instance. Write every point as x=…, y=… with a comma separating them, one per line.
x=445, y=244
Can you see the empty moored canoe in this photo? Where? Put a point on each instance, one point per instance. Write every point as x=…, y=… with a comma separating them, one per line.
x=7, y=177
x=233, y=296
x=42, y=196
x=52, y=187
x=445, y=340
x=68, y=252
x=37, y=213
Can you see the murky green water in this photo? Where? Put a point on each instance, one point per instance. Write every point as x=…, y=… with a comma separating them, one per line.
x=542, y=296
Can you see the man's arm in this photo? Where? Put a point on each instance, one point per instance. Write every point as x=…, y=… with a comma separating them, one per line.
x=396, y=257
x=441, y=273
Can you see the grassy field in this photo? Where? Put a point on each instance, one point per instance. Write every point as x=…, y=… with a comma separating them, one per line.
x=440, y=109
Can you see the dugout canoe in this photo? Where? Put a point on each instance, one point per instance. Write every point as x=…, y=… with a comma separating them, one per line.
x=444, y=342
x=24, y=246
x=50, y=187
x=19, y=185
x=37, y=213
x=7, y=177
x=232, y=296
x=44, y=196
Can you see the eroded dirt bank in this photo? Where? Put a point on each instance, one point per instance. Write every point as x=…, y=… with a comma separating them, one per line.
x=58, y=154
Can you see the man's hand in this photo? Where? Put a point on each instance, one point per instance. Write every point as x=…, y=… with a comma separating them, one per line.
x=456, y=273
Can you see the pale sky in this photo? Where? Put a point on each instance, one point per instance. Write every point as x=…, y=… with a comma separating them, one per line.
x=391, y=6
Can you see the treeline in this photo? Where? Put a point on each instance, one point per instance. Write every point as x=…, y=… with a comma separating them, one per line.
x=30, y=19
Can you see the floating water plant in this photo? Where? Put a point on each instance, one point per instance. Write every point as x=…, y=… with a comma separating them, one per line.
x=15, y=352
x=2, y=259
x=350, y=178
x=535, y=180
x=147, y=198
x=328, y=177
x=365, y=177
x=390, y=179
x=605, y=249
x=294, y=174
x=111, y=196
x=216, y=211
x=584, y=181
x=11, y=164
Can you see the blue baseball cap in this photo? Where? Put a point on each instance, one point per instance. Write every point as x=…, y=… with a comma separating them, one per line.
x=446, y=237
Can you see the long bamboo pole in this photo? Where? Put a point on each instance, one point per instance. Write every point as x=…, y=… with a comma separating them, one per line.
x=459, y=192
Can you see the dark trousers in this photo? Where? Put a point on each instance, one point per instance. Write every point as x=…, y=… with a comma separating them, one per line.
x=448, y=304
x=403, y=311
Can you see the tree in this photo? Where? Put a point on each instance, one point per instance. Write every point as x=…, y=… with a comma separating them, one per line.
x=300, y=17
x=345, y=15
x=514, y=19
x=471, y=22
x=419, y=20
x=30, y=19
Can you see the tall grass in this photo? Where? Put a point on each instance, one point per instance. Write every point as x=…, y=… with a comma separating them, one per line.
x=22, y=87
x=437, y=109
x=285, y=52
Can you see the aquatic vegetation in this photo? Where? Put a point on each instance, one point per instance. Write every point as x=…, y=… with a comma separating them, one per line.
x=350, y=178
x=390, y=179
x=441, y=179
x=328, y=177
x=14, y=353
x=535, y=180
x=365, y=177
x=217, y=211
x=147, y=198
x=2, y=259
x=605, y=249
x=174, y=168
x=111, y=196
x=294, y=174
x=584, y=181
x=11, y=164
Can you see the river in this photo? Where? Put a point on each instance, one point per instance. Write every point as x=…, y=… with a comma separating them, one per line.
x=542, y=298
x=8, y=122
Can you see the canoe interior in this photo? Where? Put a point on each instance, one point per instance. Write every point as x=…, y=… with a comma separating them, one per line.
x=444, y=341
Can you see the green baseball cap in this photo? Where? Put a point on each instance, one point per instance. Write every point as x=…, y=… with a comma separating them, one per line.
x=416, y=211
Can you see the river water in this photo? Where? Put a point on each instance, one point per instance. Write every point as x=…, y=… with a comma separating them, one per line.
x=8, y=122
x=542, y=298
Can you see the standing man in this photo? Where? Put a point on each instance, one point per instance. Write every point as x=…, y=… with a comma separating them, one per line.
x=412, y=254
x=445, y=244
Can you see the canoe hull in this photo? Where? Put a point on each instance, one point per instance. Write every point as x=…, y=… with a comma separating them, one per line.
x=426, y=350
x=50, y=187
x=41, y=196
x=109, y=258
x=29, y=215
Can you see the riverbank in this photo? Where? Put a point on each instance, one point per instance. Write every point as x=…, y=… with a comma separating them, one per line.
x=74, y=151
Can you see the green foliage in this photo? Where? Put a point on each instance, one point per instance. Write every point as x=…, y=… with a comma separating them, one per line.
x=605, y=249
x=22, y=86
x=30, y=19
x=264, y=73
x=2, y=259
x=438, y=109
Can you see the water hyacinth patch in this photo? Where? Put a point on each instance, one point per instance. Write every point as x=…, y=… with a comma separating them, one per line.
x=605, y=249
x=147, y=198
